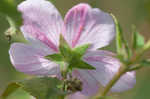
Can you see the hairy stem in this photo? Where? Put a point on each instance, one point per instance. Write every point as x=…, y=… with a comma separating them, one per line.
x=116, y=77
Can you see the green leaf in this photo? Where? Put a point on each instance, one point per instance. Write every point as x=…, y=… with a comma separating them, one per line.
x=138, y=39
x=121, y=44
x=77, y=63
x=55, y=57
x=41, y=88
x=80, y=50
x=64, y=48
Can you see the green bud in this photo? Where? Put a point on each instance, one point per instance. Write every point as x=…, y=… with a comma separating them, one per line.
x=137, y=39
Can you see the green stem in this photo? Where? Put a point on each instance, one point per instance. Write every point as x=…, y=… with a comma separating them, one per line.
x=117, y=76
x=135, y=68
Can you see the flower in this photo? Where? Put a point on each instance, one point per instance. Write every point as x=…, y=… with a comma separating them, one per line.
x=78, y=94
x=82, y=24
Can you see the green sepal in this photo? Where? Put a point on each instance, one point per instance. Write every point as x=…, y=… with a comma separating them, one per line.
x=81, y=50
x=55, y=57
x=64, y=48
x=78, y=63
x=70, y=58
x=121, y=44
x=40, y=88
x=119, y=35
x=138, y=39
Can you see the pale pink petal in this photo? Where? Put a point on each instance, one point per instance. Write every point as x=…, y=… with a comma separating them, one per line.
x=25, y=58
x=106, y=67
x=90, y=84
x=77, y=95
x=84, y=24
x=42, y=22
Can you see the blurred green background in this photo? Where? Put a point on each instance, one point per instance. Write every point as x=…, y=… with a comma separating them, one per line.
x=128, y=12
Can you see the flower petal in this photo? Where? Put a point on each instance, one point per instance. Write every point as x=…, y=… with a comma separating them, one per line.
x=90, y=84
x=84, y=24
x=77, y=95
x=42, y=21
x=106, y=67
x=30, y=60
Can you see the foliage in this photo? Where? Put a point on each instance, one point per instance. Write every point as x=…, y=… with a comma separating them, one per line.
x=41, y=88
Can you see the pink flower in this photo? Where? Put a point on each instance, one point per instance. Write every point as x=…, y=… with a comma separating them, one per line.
x=82, y=24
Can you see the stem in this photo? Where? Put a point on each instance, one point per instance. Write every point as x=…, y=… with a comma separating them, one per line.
x=121, y=71
x=135, y=68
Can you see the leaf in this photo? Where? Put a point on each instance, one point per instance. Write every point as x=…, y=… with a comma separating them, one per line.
x=64, y=48
x=41, y=88
x=81, y=50
x=121, y=44
x=55, y=57
x=77, y=63
x=138, y=39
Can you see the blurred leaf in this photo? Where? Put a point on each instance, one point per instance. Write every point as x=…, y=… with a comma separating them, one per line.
x=138, y=39
x=55, y=57
x=41, y=88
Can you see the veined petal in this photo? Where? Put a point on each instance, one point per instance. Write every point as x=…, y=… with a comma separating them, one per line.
x=86, y=25
x=42, y=22
x=106, y=67
x=90, y=84
x=30, y=60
